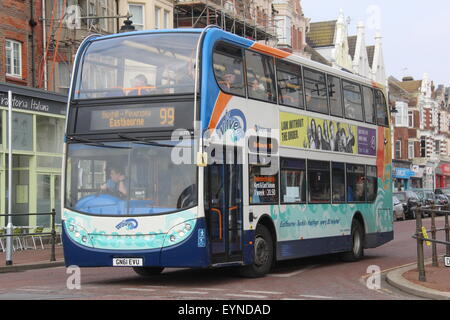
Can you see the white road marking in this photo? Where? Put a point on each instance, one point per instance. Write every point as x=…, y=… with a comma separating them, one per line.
x=189, y=292
x=245, y=296
x=139, y=289
x=35, y=290
x=315, y=297
x=288, y=275
x=263, y=292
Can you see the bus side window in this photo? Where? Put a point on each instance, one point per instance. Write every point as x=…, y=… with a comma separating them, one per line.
x=293, y=181
x=319, y=181
x=338, y=174
x=353, y=101
x=335, y=93
x=372, y=183
x=381, y=107
x=355, y=183
x=260, y=77
x=368, y=105
x=263, y=180
x=316, y=91
x=290, y=86
x=229, y=69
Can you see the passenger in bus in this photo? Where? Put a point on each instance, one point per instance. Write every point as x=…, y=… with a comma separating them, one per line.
x=117, y=183
x=256, y=89
x=142, y=88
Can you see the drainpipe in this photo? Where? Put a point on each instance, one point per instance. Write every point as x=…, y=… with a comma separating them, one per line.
x=32, y=24
x=44, y=39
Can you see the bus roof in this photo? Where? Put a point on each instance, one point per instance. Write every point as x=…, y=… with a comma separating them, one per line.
x=258, y=47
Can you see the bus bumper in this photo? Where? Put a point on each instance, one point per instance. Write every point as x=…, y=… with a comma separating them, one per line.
x=192, y=253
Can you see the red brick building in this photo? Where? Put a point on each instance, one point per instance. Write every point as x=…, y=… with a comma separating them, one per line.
x=20, y=41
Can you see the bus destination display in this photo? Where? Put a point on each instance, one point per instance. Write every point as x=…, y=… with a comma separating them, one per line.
x=132, y=118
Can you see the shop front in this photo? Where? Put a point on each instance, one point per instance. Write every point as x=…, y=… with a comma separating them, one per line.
x=38, y=123
x=402, y=177
x=443, y=176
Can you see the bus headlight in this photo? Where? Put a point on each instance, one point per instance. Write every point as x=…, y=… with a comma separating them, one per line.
x=172, y=238
x=84, y=239
x=187, y=226
x=71, y=228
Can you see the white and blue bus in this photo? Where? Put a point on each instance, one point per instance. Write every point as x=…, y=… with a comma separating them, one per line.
x=198, y=148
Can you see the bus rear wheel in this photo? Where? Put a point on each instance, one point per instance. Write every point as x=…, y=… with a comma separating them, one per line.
x=357, y=251
x=148, y=271
x=263, y=255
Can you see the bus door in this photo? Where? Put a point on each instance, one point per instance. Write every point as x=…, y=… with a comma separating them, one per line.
x=224, y=206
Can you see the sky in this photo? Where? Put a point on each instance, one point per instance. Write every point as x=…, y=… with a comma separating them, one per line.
x=416, y=34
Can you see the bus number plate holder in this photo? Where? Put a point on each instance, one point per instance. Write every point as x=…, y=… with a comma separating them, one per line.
x=128, y=262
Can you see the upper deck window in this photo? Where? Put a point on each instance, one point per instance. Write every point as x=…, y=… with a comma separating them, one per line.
x=260, y=76
x=138, y=65
x=229, y=68
x=316, y=91
x=290, y=87
x=353, y=101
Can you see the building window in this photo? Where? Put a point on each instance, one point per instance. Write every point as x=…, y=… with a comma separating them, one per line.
x=410, y=149
x=166, y=19
x=13, y=58
x=437, y=147
x=423, y=147
x=319, y=181
x=157, y=18
x=293, y=181
x=398, y=149
x=410, y=119
x=137, y=10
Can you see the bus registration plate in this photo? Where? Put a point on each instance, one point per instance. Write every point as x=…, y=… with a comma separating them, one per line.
x=128, y=262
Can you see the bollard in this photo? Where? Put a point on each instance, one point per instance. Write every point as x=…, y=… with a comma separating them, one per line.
x=433, y=236
x=420, y=254
x=53, y=254
x=447, y=234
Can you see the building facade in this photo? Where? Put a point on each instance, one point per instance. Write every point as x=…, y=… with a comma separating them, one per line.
x=331, y=40
x=38, y=124
x=421, y=132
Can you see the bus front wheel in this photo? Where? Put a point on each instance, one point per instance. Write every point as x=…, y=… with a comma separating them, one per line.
x=357, y=251
x=263, y=254
x=148, y=271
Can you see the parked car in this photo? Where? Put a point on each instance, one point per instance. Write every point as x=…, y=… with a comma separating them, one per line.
x=442, y=199
x=444, y=191
x=410, y=202
x=427, y=198
x=399, y=210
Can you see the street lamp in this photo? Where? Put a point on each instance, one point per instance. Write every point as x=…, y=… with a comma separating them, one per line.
x=127, y=26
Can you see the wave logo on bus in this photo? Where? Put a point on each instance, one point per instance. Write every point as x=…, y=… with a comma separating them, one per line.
x=130, y=224
x=233, y=125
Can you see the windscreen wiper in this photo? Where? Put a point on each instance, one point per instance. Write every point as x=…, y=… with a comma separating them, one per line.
x=92, y=142
x=144, y=141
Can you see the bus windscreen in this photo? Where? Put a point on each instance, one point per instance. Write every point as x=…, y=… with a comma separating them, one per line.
x=138, y=65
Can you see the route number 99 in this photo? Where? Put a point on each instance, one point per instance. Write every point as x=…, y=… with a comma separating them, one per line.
x=167, y=116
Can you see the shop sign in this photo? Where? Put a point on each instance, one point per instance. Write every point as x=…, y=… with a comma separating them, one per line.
x=33, y=104
x=403, y=173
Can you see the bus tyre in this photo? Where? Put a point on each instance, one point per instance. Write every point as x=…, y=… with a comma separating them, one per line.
x=148, y=271
x=357, y=251
x=263, y=255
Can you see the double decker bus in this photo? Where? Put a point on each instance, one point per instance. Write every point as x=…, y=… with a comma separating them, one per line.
x=199, y=148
